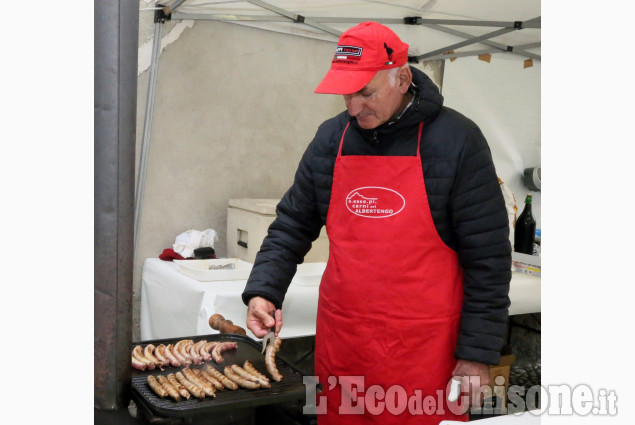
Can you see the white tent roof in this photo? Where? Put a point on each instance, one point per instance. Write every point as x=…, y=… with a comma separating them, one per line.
x=435, y=27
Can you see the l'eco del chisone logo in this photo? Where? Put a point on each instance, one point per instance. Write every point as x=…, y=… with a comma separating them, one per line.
x=375, y=202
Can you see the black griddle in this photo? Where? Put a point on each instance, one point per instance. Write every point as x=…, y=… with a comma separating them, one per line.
x=291, y=388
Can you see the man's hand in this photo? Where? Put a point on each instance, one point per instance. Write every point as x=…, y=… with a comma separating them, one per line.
x=259, y=321
x=465, y=370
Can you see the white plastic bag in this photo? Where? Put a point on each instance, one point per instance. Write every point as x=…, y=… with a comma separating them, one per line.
x=188, y=241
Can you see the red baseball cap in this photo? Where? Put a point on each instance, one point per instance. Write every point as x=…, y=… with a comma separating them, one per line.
x=361, y=52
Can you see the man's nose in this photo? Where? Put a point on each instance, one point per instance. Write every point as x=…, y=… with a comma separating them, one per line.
x=354, y=103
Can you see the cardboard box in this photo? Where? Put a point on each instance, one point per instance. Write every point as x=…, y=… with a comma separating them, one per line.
x=501, y=369
x=495, y=395
x=525, y=263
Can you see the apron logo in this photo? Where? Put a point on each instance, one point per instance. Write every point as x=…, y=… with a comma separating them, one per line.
x=375, y=202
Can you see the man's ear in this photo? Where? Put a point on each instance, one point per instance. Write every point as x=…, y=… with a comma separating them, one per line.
x=405, y=78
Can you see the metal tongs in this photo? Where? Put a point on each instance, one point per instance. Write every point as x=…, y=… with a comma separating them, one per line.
x=268, y=339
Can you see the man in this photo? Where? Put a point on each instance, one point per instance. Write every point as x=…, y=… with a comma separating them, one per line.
x=416, y=286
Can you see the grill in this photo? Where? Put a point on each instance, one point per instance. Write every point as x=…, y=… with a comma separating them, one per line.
x=291, y=388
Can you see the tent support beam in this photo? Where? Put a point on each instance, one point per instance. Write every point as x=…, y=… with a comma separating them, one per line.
x=519, y=50
x=417, y=20
x=466, y=42
x=147, y=127
x=483, y=38
x=316, y=22
x=210, y=17
x=465, y=54
x=296, y=17
x=527, y=46
x=331, y=20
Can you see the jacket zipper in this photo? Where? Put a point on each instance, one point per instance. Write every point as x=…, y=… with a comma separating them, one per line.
x=377, y=145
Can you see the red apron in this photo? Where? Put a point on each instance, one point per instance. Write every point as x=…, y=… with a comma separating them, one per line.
x=390, y=298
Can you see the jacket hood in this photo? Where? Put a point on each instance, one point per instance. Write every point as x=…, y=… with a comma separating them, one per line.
x=425, y=107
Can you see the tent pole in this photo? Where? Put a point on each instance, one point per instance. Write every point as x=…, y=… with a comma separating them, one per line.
x=147, y=127
x=466, y=42
x=295, y=17
x=519, y=50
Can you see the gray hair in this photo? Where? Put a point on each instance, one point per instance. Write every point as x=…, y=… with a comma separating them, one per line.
x=393, y=74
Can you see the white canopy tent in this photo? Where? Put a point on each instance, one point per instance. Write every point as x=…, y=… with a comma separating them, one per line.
x=434, y=29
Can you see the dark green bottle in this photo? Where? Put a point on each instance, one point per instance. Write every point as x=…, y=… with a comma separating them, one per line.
x=525, y=230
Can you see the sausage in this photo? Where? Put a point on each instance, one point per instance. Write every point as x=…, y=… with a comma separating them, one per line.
x=270, y=359
x=262, y=379
x=159, y=353
x=136, y=353
x=245, y=383
x=172, y=392
x=138, y=364
x=148, y=353
x=157, y=387
x=224, y=346
x=169, y=353
x=207, y=388
x=227, y=383
x=177, y=353
x=243, y=373
x=193, y=389
x=177, y=385
x=205, y=351
x=210, y=378
x=251, y=369
x=185, y=349
x=197, y=358
x=181, y=352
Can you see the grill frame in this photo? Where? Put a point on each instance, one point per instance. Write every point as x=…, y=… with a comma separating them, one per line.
x=290, y=389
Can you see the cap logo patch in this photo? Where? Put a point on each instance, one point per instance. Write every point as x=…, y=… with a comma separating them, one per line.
x=347, y=54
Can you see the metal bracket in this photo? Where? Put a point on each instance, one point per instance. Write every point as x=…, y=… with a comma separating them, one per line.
x=299, y=19
x=518, y=25
x=510, y=48
x=413, y=59
x=412, y=20
x=160, y=16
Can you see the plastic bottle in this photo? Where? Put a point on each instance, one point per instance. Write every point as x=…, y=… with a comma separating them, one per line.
x=525, y=230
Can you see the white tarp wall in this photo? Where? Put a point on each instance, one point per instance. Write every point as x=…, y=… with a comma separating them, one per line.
x=503, y=99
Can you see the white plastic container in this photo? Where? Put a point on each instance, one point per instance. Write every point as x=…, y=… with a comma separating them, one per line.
x=248, y=220
x=200, y=269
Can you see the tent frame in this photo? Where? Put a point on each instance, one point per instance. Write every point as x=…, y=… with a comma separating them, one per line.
x=436, y=24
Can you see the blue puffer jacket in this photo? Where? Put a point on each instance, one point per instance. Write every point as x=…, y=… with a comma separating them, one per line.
x=465, y=198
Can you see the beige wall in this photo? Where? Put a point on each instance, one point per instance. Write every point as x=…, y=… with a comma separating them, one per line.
x=233, y=113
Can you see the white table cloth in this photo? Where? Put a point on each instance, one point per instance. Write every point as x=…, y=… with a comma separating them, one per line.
x=175, y=305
